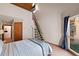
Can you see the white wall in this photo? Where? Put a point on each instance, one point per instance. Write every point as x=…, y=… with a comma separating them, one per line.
x=51, y=19
x=19, y=13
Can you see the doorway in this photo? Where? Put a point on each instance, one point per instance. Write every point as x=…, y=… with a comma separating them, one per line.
x=7, y=36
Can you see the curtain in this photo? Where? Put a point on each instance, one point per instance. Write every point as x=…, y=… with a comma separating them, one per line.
x=64, y=44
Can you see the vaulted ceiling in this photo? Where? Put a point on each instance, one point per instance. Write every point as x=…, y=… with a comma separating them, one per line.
x=27, y=6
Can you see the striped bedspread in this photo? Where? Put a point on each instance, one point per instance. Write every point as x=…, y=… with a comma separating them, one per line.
x=31, y=47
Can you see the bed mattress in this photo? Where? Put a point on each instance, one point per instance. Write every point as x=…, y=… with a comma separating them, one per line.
x=32, y=47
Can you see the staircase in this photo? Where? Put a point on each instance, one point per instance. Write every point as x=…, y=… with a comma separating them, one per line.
x=38, y=33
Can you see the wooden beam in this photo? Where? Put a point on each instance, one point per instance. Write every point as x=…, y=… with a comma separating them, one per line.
x=27, y=6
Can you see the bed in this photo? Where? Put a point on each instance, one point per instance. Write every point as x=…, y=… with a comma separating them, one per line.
x=26, y=47
x=1, y=45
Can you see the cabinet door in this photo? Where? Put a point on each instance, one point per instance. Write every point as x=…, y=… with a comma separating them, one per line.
x=17, y=31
